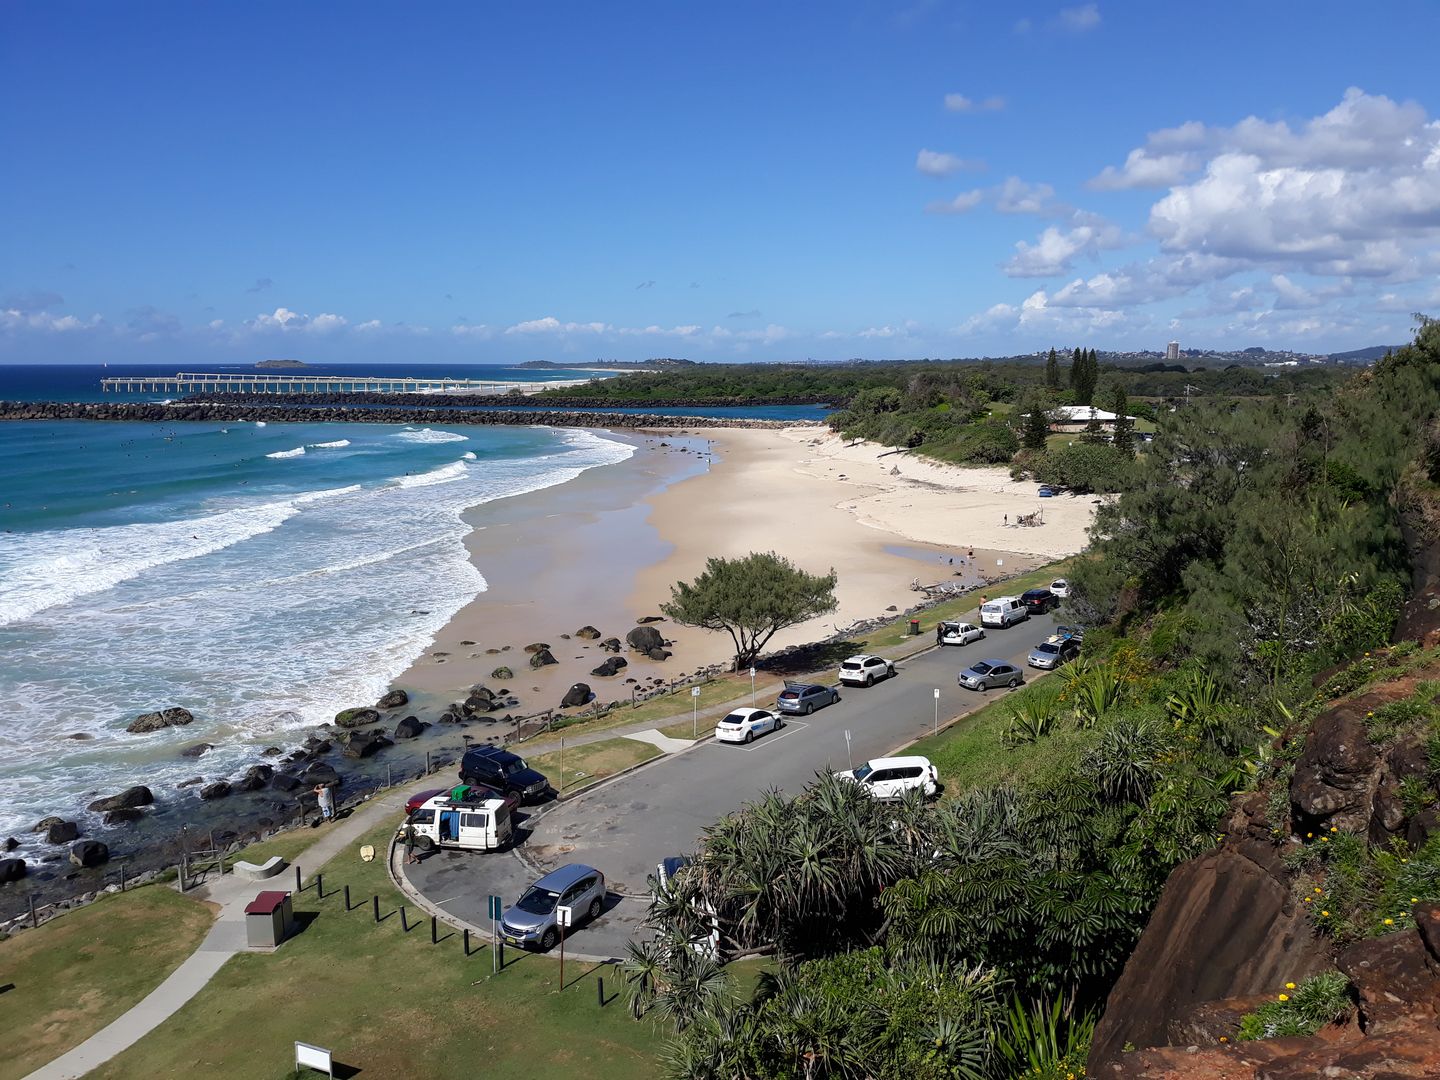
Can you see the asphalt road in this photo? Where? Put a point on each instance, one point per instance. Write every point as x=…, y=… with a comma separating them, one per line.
x=627, y=826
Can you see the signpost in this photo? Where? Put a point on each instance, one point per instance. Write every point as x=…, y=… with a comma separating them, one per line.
x=847, y=750
x=752, y=684
x=937, y=710
x=695, y=710
x=495, y=908
x=562, y=920
x=562, y=762
x=313, y=1057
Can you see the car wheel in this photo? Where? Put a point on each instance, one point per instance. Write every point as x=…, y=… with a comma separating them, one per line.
x=548, y=940
x=749, y=736
x=595, y=908
x=424, y=843
x=779, y=722
x=1014, y=682
x=869, y=679
x=809, y=708
x=835, y=697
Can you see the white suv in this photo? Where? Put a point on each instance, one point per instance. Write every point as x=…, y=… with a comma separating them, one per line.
x=864, y=669
x=892, y=777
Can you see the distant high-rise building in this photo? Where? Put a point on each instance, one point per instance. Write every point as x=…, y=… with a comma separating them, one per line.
x=1172, y=351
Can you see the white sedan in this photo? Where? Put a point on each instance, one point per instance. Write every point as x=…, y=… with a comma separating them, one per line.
x=1060, y=587
x=958, y=633
x=743, y=725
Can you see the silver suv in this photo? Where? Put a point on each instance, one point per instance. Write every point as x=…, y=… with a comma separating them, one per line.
x=532, y=922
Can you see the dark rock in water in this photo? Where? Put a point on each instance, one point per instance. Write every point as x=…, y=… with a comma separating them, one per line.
x=45, y=823
x=356, y=717
x=535, y=647
x=62, y=832
x=658, y=654
x=612, y=666
x=502, y=673
x=542, y=659
x=649, y=619
x=198, y=749
x=644, y=638
x=578, y=694
x=492, y=652
x=255, y=778
x=587, y=632
x=11, y=870
x=124, y=815
x=409, y=727
x=270, y=751
x=284, y=782
x=611, y=643
x=395, y=699
x=364, y=744
x=320, y=773
x=89, y=853
x=156, y=721
x=463, y=642
x=218, y=790
x=191, y=782
x=134, y=796
x=10, y=844
x=80, y=736
x=892, y=607
x=449, y=718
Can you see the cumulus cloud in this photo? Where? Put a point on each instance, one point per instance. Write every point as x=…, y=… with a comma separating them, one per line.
x=285, y=320
x=14, y=319
x=1144, y=169
x=1016, y=196
x=960, y=204
x=959, y=103
x=1057, y=248
x=34, y=300
x=935, y=163
x=551, y=325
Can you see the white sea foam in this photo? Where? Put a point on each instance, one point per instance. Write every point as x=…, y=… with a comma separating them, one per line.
x=259, y=423
x=428, y=435
x=297, y=452
x=469, y=455
x=330, y=445
x=443, y=475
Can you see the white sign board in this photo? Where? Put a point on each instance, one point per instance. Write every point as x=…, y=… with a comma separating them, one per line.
x=752, y=673
x=562, y=916
x=694, y=691
x=937, y=693
x=313, y=1057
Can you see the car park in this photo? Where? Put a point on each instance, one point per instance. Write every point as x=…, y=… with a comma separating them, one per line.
x=891, y=778
x=505, y=772
x=1052, y=652
x=532, y=922
x=1060, y=587
x=469, y=822
x=1003, y=611
x=988, y=674
x=1039, y=601
x=805, y=698
x=864, y=669
x=743, y=725
x=958, y=633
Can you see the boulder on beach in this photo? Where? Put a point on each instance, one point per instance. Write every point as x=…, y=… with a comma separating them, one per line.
x=284, y=782
x=255, y=778
x=611, y=666
x=218, y=790
x=123, y=815
x=11, y=870
x=320, y=773
x=538, y=646
x=644, y=638
x=649, y=619
x=448, y=717
x=409, y=727
x=191, y=782
x=271, y=751
x=658, y=654
x=364, y=744
x=587, y=632
x=10, y=844
x=156, y=721
x=542, y=659
x=196, y=750
x=89, y=853
x=62, y=832
x=356, y=717
x=80, y=736
x=139, y=795
x=45, y=823
x=611, y=643
x=502, y=672
x=395, y=699
x=577, y=695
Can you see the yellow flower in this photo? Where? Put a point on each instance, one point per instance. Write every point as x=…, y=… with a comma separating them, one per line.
x=1334, y=829
x=1308, y=899
x=1325, y=913
x=1414, y=899
x=1317, y=888
x=1309, y=836
x=1284, y=997
x=1324, y=839
x=1224, y=1039
x=1289, y=986
x=1389, y=922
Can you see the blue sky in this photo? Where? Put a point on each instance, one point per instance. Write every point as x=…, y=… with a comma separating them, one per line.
x=196, y=182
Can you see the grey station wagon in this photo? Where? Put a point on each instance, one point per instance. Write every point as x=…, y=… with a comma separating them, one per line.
x=532, y=922
x=805, y=698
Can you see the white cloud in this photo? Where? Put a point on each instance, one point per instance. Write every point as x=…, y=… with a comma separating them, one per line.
x=325, y=323
x=959, y=103
x=369, y=326
x=1016, y=196
x=284, y=319
x=965, y=201
x=1142, y=169
x=935, y=163
x=15, y=319
x=1057, y=248
x=551, y=325
x=1077, y=19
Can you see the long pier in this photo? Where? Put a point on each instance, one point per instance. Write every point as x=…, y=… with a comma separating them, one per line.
x=240, y=382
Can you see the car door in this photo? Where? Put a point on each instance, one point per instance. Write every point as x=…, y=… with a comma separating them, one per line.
x=1003, y=674
x=880, y=783
x=764, y=721
x=906, y=778
x=475, y=831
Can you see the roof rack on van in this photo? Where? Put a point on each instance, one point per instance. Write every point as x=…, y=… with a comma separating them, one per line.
x=466, y=795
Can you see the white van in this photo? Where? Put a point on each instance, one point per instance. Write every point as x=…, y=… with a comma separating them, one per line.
x=1003, y=611
x=468, y=823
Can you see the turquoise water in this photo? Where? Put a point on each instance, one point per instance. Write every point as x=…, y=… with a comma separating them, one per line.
x=259, y=574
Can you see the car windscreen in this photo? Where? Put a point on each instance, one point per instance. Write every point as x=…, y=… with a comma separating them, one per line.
x=734, y=719
x=863, y=771
x=510, y=768
x=981, y=668
x=423, y=817
x=1047, y=648
x=537, y=901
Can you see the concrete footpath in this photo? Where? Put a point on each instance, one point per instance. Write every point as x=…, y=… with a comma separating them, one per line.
x=226, y=938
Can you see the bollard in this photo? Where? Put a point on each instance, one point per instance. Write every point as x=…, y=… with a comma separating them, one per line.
x=466, y=941
x=600, y=989
x=434, y=937
x=347, y=897
x=298, y=887
x=319, y=886
x=375, y=903
x=404, y=925
x=427, y=762
x=388, y=781
x=34, y=921
x=122, y=875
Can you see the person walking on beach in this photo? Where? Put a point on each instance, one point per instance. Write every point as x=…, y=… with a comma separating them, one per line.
x=325, y=799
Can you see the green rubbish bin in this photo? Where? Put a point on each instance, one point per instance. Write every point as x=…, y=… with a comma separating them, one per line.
x=914, y=627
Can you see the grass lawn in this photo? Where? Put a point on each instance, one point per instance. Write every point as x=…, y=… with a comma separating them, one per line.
x=392, y=1004
x=287, y=845
x=591, y=763
x=75, y=974
x=685, y=729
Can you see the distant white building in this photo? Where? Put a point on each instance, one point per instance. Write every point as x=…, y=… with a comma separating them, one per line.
x=1075, y=417
x=1172, y=351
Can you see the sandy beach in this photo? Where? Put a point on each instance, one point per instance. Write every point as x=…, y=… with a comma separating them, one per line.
x=605, y=549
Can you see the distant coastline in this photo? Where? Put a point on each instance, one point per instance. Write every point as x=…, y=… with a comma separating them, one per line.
x=285, y=364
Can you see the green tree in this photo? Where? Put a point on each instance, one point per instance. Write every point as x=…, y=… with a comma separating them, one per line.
x=751, y=599
x=1036, y=425
x=1077, y=369
x=1052, y=371
x=1124, y=438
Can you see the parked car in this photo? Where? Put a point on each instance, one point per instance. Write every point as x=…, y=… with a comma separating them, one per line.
x=420, y=798
x=1060, y=587
x=743, y=725
x=503, y=771
x=1039, y=601
x=469, y=822
x=708, y=943
x=1070, y=633
x=958, y=633
x=666, y=869
x=892, y=777
x=1003, y=611
x=988, y=674
x=1046, y=491
x=864, y=669
x=1052, y=652
x=532, y=923
x=805, y=698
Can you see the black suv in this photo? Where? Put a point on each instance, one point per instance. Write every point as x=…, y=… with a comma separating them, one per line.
x=1039, y=601
x=503, y=771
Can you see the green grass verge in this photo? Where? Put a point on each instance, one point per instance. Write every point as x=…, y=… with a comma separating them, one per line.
x=73, y=975
x=687, y=729
x=392, y=1004
x=287, y=845
x=591, y=763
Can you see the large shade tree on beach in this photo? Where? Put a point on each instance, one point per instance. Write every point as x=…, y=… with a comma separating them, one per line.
x=751, y=599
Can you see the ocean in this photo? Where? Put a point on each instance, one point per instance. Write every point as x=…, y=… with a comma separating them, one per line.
x=262, y=575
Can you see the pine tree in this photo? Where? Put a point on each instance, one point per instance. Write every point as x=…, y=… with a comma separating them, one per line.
x=1037, y=426
x=1077, y=369
x=1052, y=371
x=1124, y=437
x=1083, y=374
